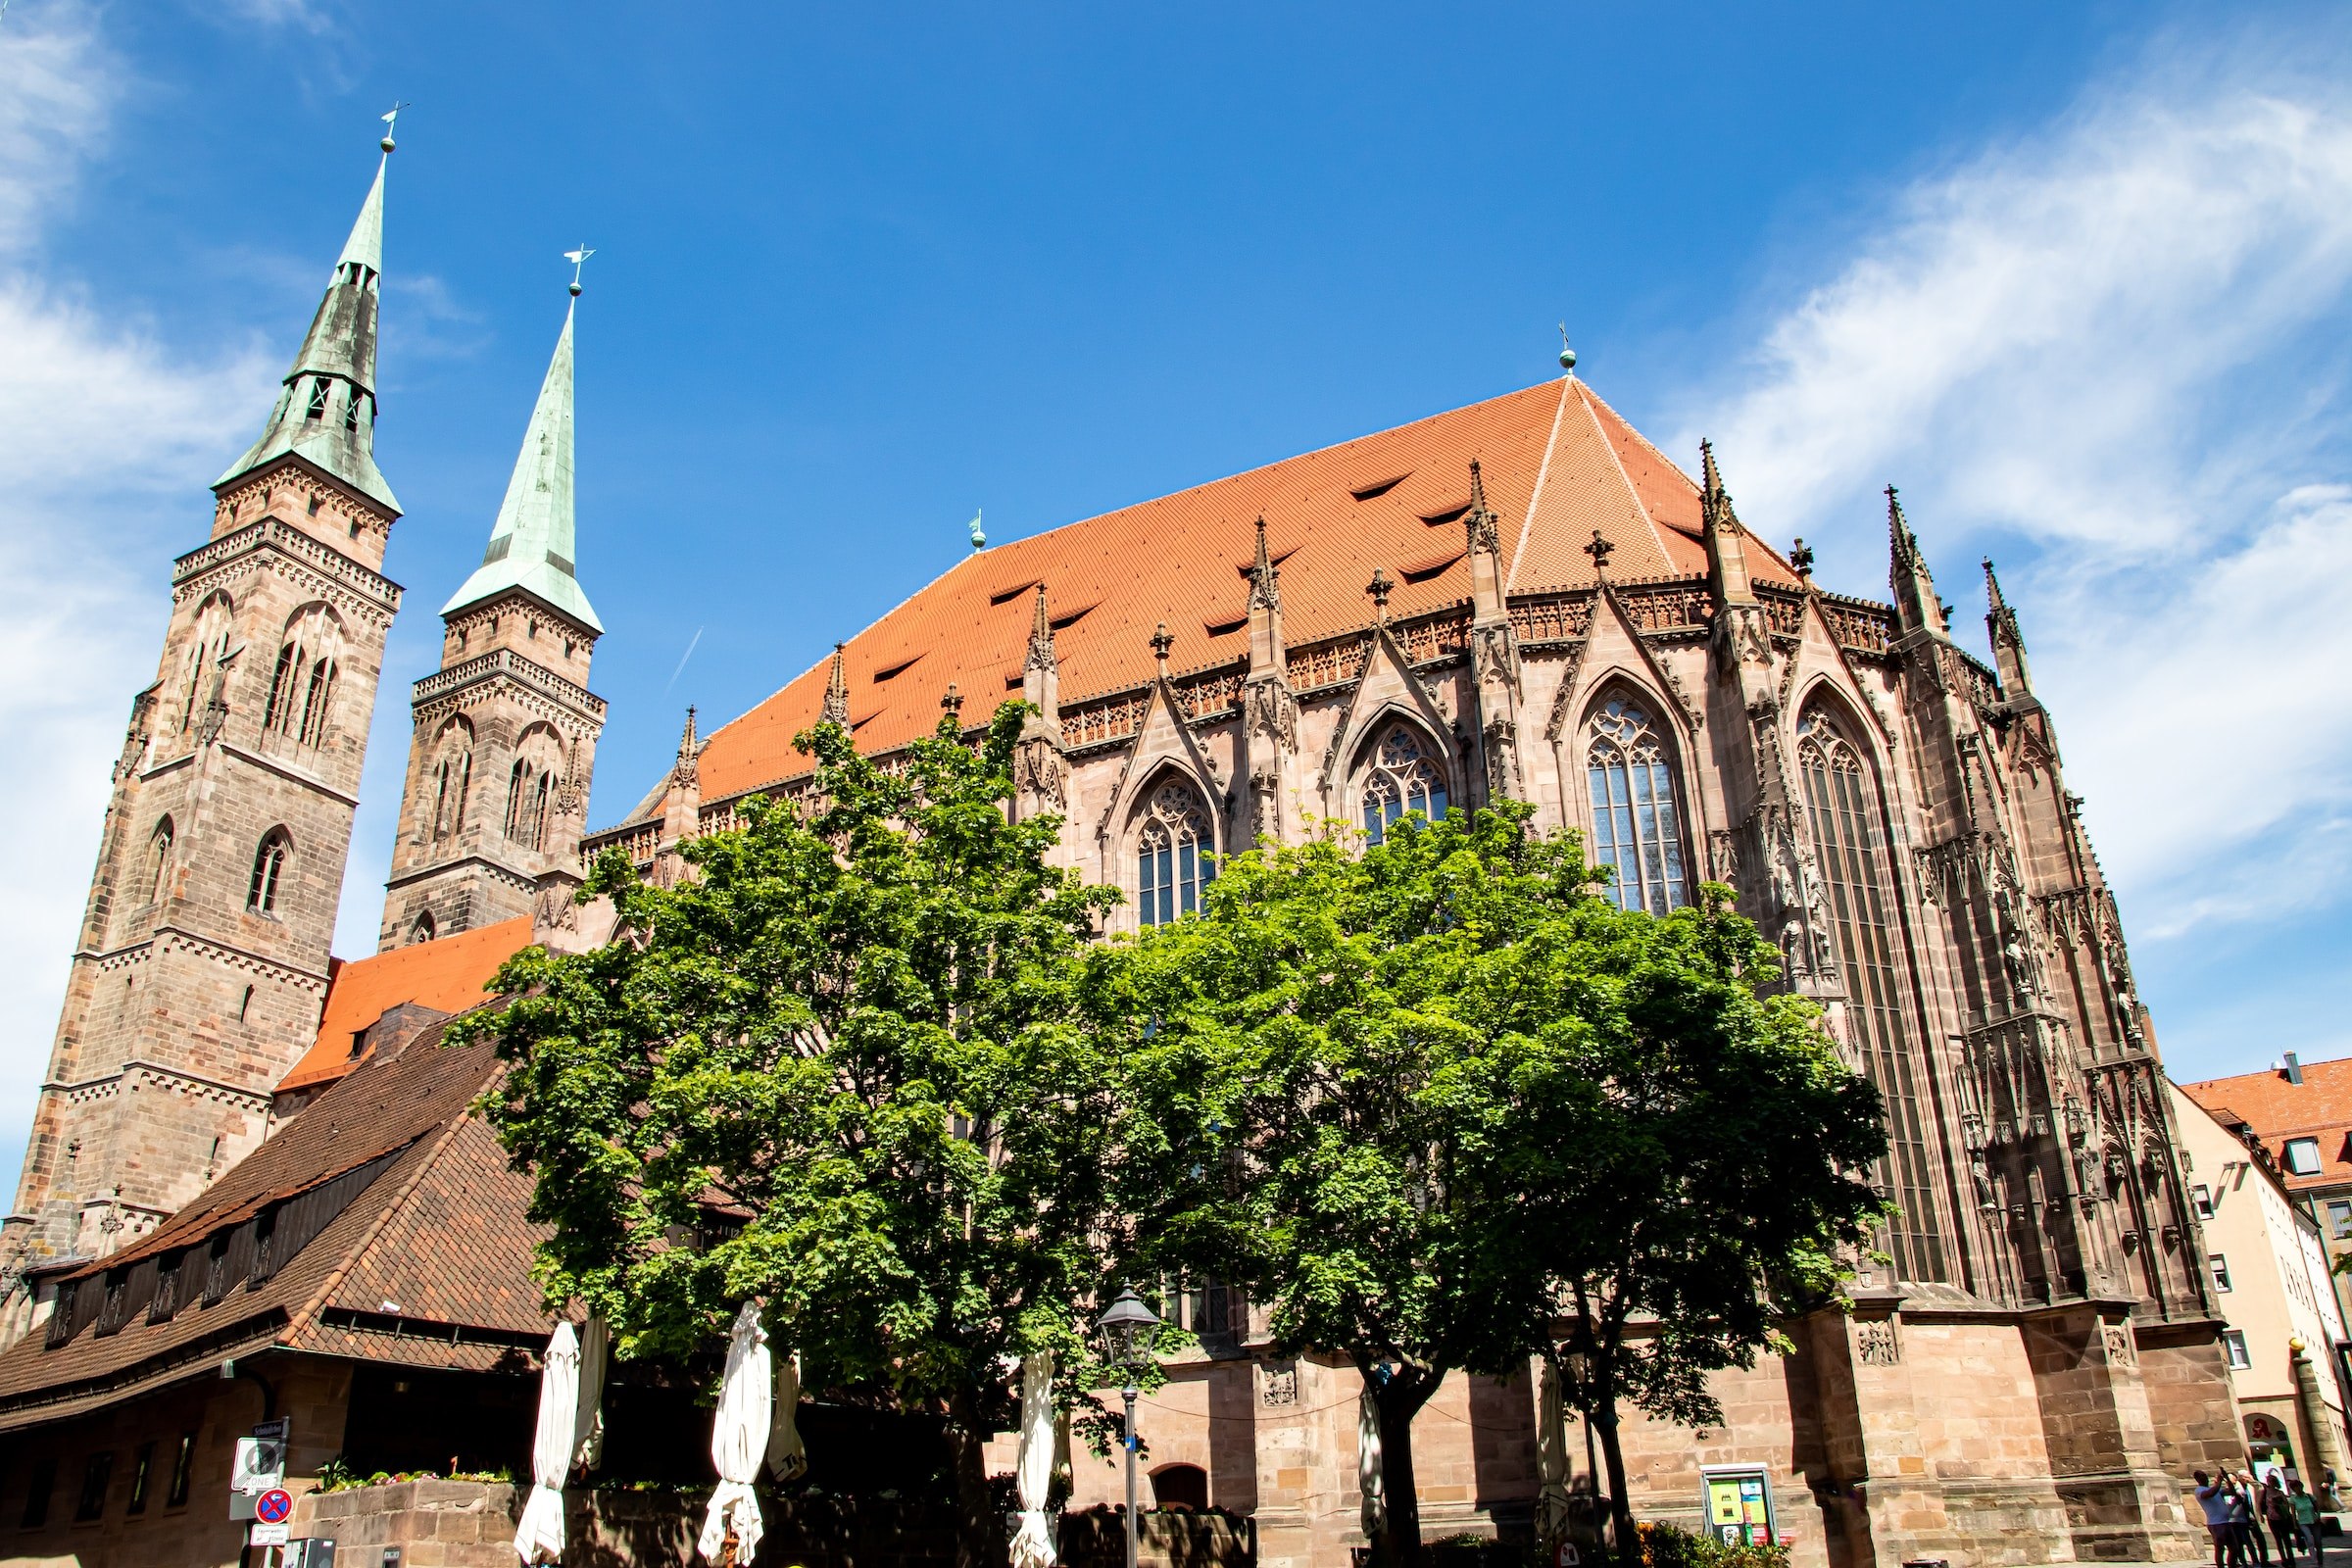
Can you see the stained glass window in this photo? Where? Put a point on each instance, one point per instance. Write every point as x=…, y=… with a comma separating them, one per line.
x=1402, y=779
x=1635, y=828
x=1841, y=803
x=1173, y=861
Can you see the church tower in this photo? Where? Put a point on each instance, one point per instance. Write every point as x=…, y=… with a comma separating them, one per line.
x=505, y=730
x=201, y=959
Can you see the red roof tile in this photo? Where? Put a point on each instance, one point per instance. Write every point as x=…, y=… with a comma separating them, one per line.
x=2318, y=1107
x=448, y=975
x=1558, y=463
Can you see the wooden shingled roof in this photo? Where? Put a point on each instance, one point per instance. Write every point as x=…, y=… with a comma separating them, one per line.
x=421, y=1253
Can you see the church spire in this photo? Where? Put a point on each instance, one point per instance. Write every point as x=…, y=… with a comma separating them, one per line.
x=1914, y=588
x=837, y=693
x=2008, y=642
x=325, y=412
x=531, y=543
x=1041, y=673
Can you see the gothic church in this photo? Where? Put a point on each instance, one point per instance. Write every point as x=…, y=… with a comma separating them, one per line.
x=1523, y=597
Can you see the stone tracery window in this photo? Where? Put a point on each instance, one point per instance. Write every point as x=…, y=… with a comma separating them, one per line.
x=1404, y=777
x=1174, y=858
x=269, y=869
x=207, y=649
x=302, y=688
x=159, y=861
x=1841, y=803
x=1636, y=830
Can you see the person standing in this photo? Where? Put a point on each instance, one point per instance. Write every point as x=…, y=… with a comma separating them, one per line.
x=2214, y=1497
x=2245, y=1526
x=2307, y=1518
x=2280, y=1515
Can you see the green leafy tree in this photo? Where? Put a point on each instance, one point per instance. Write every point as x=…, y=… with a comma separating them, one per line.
x=839, y=1069
x=1301, y=1052
x=1692, y=1159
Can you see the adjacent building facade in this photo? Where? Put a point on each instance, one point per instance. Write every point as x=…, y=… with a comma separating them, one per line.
x=1522, y=598
x=2270, y=1277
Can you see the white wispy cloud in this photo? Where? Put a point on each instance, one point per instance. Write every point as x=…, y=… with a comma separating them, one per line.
x=2111, y=353
x=107, y=430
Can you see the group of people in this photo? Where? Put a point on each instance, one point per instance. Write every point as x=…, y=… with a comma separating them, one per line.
x=2237, y=1508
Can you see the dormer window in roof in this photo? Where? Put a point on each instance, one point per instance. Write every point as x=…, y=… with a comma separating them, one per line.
x=1379, y=487
x=896, y=669
x=1435, y=566
x=1225, y=628
x=1445, y=515
x=1006, y=596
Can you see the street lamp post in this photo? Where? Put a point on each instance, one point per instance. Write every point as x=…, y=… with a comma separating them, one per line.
x=1129, y=1329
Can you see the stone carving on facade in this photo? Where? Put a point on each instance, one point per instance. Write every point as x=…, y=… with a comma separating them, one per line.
x=1039, y=772
x=1562, y=716
x=1494, y=655
x=1723, y=855
x=1877, y=1343
x=1502, y=761
x=1798, y=902
x=1273, y=712
x=1281, y=1386
x=2119, y=1349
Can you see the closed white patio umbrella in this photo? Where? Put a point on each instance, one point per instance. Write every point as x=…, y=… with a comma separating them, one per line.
x=1033, y=1470
x=539, y=1537
x=588, y=1435
x=739, y=1439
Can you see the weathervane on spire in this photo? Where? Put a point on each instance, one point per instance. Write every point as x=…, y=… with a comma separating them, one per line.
x=979, y=539
x=579, y=259
x=391, y=124
x=1567, y=354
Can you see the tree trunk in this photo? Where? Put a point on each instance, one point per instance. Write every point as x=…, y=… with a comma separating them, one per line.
x=1397, y=1401
x=1621, y=1511
x=979, y=1531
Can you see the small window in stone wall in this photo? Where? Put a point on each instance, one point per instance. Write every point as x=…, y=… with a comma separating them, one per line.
x=2303, y=1157
x=2234, y=1346
x=36, y=1495
x=142, y=1467
x=95, y=1476
x=183, y=1468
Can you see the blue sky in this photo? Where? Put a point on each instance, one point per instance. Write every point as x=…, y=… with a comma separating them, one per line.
x=2076, y=276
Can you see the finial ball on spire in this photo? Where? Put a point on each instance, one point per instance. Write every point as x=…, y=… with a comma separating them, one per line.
x=1567, y=354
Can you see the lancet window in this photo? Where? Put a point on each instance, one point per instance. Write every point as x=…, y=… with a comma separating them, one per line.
x=1404, y=777
x=1174, y=858
x=269, y=869
x=209, y=647
x=453, y=781
x=302, y=688
x=1637, y=827
x=1841, y=803
x=159, y=861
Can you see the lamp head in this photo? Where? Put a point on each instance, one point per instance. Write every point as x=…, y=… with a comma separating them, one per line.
x=1129, y=1329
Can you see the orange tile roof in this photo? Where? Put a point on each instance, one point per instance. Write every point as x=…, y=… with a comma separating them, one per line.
x=1558, y=463
x=446, y=974
x=2320, y=1107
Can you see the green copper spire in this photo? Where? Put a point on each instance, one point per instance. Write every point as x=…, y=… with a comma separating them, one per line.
x=325, y=412
x=531, y=545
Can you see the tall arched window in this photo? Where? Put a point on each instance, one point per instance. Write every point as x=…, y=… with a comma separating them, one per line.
x=159, y=861
x=317, y=700
x=518, y=782
x=302, y=686
x=206, y=650
x=269, y=869
x=1635, y=828
x=539, y=797
x=423, y=930
x=1842, y=802
x=1173, y=861
x=453, y=779
x=1402, y=778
